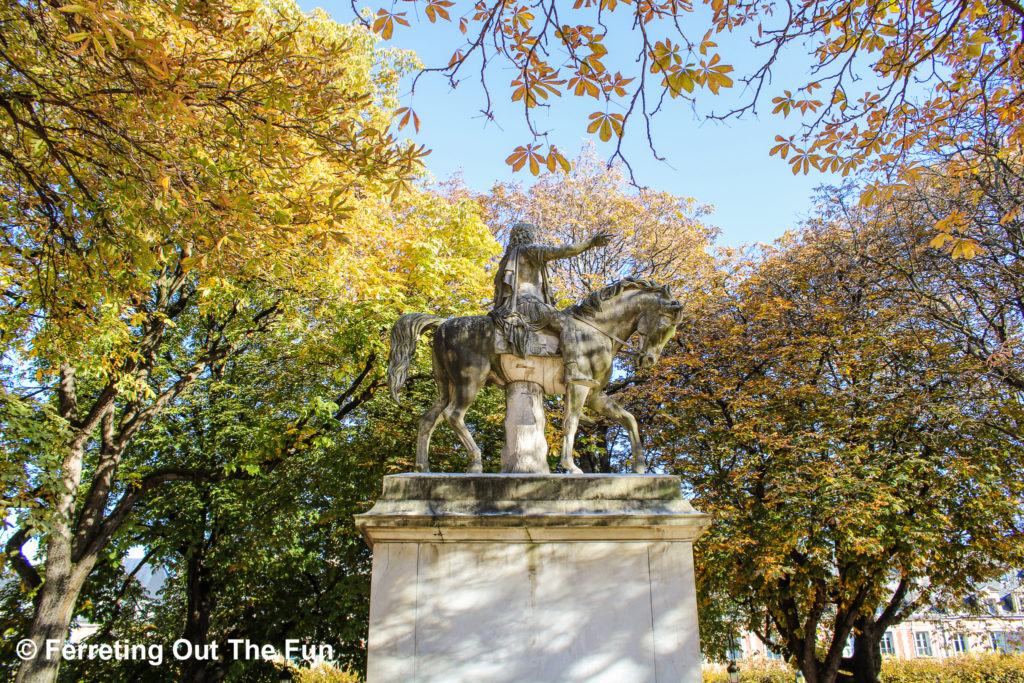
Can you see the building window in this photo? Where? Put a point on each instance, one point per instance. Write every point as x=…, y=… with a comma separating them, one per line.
x=959, y=644
x=998, y=640
x=887, y=645
x=923, y=643
x=1007, y=603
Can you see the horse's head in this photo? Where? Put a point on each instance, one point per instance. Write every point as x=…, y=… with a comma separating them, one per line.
x=655, y=327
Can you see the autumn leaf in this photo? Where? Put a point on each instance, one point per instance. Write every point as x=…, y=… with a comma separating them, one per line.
x=605, y=125
x=384, y=24
x=524, y=155
x=406, y=114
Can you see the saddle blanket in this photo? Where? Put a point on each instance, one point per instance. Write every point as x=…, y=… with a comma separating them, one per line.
x=542, y=364
x=538, y=343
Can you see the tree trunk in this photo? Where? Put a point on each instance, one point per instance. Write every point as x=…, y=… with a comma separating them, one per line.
x=866, y=663
x=200, y=604
x=55, y=605
x=594, y=455
x=601, y=439
x=62, y=578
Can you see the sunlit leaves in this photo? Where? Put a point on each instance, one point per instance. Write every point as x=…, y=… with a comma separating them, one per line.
x=713, y=74
x=585, y=82
x=195, y=180
x=522, y=17
x=837, y=431
x=438, y=9
x=962, y=60
x=407, y=114
x=531, y=157
x=617, y=84
x=385, y=21
x=263, y=186
x=665, y=56
x=951, y=229
x=533, y=86
x=556, y=161
x=605, y=125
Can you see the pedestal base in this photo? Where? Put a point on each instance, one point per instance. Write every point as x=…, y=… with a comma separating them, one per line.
x=533, y=578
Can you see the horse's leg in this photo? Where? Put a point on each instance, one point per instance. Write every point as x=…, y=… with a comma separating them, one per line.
x=430, y=419
x=575, y=397
x=428, y=422
x=605, y=406
x=456, y=412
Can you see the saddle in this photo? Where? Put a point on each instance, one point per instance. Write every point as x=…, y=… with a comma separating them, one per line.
x=542, y=365
x=538, y=343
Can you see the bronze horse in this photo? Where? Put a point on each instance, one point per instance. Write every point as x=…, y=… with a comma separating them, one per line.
x=465, y=360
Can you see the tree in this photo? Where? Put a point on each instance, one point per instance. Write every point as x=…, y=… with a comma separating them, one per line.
x=278, y=556
x=176, y=185
x=973, y=298
x=856, y=462
x=887, y=82
x=969, y=279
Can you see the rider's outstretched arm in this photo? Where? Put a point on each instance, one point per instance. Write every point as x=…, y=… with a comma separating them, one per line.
x=575, y=248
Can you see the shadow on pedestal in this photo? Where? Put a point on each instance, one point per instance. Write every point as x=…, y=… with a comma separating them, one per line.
x=532, y=578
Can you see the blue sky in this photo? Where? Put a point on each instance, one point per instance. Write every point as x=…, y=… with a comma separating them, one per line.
x=755, y=197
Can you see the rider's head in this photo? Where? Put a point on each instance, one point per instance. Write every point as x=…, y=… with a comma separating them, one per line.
x=522, y=233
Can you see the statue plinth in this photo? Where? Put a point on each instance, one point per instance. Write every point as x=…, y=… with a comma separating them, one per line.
x=532, y=578
x=526, y=446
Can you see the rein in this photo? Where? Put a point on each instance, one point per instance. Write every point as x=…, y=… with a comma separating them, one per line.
x=595, y=327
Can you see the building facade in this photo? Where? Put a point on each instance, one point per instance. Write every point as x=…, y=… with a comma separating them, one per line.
x=992, y=621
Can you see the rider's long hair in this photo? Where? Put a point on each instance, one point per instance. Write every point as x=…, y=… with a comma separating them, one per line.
x=522, y=233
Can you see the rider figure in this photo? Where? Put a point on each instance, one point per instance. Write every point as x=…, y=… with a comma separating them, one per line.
x=523, y=300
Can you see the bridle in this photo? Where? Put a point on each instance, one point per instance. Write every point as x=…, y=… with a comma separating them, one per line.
x=607, y=334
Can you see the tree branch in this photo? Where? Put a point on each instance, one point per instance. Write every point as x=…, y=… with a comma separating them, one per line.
x=29, y=576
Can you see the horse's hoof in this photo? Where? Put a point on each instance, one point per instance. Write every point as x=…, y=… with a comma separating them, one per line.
x=422, y=468
x=475, y=469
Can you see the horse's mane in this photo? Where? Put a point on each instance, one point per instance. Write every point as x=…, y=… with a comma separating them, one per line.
x=592, y=303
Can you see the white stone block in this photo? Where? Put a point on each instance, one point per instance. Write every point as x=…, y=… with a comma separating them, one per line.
x=527, y=578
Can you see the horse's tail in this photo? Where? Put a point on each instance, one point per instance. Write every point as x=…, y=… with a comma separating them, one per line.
x=404, y=334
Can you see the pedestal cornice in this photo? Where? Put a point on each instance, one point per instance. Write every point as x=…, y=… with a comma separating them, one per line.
x=530, y=508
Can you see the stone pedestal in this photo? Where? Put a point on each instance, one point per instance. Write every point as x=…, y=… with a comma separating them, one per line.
x=526, y=447
x=532, y=578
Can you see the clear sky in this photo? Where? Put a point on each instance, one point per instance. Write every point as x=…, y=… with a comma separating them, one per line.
x=755, y=197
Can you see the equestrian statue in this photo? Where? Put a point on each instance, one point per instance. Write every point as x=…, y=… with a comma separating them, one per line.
x=530, y=348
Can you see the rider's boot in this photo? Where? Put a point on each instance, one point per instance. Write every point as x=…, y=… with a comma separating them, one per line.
x=570, y=347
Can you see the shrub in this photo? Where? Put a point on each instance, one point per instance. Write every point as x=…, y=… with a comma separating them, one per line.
x=985, y=668
x=752, y=672
x=326, y=673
